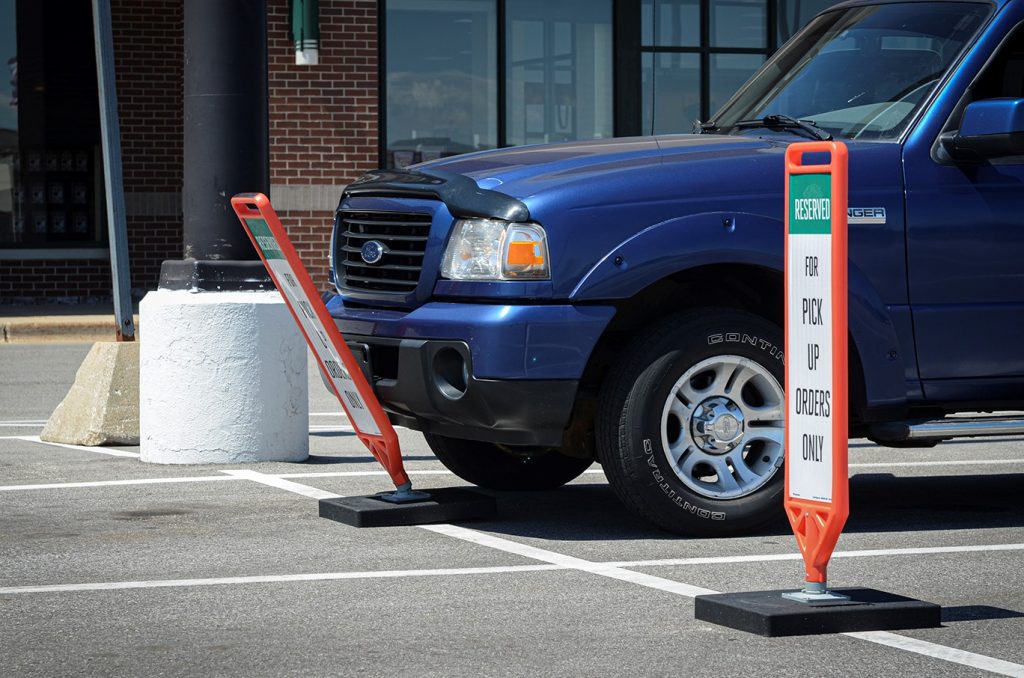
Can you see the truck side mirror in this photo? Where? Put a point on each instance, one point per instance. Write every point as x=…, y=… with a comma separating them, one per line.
x=991, y=128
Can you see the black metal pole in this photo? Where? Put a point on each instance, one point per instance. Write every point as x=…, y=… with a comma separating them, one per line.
x=226, y=144
x=113, y=181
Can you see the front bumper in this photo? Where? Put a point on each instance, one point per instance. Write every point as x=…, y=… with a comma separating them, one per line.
x=498, y=373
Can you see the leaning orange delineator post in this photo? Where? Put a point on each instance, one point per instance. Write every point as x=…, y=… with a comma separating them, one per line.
x=336, y=361
x=817, y=484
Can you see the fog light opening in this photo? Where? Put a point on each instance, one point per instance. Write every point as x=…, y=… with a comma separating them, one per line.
x=451, y=373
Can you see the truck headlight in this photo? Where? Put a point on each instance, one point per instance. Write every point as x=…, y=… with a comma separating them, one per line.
x=490, y=249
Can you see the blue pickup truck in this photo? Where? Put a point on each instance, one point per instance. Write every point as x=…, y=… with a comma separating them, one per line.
x=532, y=310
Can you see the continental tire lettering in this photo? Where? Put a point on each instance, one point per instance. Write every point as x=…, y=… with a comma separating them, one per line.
x=666, y=488
x=703, y=513
x=737, y=338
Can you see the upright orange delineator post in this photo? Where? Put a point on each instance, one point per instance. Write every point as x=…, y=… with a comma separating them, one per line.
x=817, y=482
x=817, y=486
x=336, y=361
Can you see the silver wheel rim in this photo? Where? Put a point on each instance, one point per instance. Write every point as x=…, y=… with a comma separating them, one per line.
x=722, y=427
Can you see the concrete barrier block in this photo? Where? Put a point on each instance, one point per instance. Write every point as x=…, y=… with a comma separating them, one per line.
x=102, y=406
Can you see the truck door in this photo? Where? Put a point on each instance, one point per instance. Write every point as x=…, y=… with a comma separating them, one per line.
x=965, y=244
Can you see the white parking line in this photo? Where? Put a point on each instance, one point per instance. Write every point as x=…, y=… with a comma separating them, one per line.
x=564, y=563
x=110, y=452
x=360, y=474
x=967, y=462
x=197, y=479
x=568, y=562
x=281, y=484
x=114, y=483
x=271, y=579
x=22, y=424
x=949, y=654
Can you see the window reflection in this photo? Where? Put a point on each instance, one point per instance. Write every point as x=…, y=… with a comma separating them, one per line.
x=671, y=92
x=739, y=23
x=729, y=72
x=670, y=23
x=441, y=87
x=559, y=82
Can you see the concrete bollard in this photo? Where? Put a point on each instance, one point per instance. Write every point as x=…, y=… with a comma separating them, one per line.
x=222, y=379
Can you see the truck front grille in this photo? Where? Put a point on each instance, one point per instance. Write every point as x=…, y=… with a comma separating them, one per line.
x=400, y=236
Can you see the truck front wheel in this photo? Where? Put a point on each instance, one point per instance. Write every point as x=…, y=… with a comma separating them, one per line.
x=499, y=467
x=690, y=428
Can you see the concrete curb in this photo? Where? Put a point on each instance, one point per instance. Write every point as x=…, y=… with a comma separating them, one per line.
x=59, y=329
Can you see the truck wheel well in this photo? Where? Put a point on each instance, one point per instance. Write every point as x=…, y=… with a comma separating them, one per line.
x=753, y=289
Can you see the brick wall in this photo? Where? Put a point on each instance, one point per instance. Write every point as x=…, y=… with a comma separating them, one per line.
x=148, y=58
x=323, y=118
x=54, y=280
x=151, y=240
x=149, y=62
x=323, y=134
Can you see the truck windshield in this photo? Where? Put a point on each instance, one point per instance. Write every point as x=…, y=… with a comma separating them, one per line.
x=859, y=72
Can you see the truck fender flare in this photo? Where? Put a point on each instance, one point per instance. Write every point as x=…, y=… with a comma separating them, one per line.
x=735, y=238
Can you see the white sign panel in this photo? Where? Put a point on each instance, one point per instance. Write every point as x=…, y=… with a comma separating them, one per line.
x=809, y=328
x=318, y=339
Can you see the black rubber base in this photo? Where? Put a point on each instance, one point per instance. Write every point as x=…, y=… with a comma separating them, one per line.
x=767, y=613
x=214, y=276
x=449, y=504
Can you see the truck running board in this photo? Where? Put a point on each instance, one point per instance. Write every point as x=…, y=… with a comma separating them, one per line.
x=935, y=430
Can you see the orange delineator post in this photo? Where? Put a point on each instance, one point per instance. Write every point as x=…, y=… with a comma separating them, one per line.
x=347, y=381
x=816, y=514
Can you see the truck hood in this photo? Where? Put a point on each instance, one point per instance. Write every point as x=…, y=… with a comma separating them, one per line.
x=528, y=170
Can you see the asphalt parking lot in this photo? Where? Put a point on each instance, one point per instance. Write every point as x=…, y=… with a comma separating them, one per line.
x=109, y=566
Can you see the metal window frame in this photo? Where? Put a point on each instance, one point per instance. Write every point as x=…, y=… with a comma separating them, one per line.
x=627, y=55
x=706, y=51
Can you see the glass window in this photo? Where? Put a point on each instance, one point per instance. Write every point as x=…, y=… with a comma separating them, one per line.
x=739, y=23
x=559, y=78
x=670, y=23
x=8, y=118
x=728, y=73
x=891, y=57
x=50, y=177
x=441, y=83
x=671, y=92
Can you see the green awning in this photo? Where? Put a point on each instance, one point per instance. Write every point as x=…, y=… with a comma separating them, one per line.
x=306, y=31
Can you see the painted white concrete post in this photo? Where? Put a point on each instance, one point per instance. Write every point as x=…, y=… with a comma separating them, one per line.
x=222, y=379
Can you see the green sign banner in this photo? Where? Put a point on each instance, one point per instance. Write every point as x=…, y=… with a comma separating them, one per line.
x=810, y=204
x=265, y=238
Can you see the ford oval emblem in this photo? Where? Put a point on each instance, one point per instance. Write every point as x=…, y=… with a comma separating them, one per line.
x=373, y=251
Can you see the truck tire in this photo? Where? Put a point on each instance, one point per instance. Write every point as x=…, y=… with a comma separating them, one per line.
x=497, y=467
x=690, y=426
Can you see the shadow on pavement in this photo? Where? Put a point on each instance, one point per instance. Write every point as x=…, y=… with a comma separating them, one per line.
x=977, y=613
x=879, y=503
x=319, y=459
